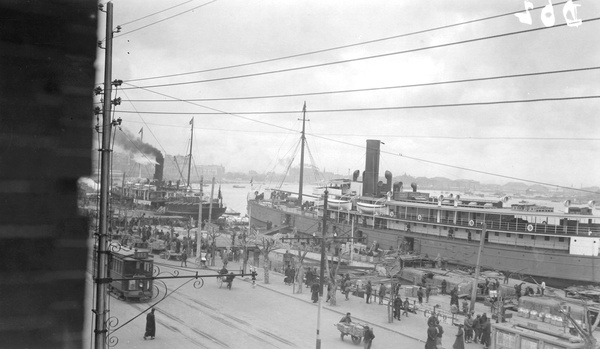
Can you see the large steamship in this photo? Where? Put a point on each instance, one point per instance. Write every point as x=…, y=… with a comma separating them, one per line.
x=521, y=238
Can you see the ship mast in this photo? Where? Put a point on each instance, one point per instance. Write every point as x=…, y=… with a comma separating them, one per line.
x=190, y=156
x=302, y=156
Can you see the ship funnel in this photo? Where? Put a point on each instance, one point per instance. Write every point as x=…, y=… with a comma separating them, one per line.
x=413, y=185
x=397, y=187
x=591, y=204
x=567, y=203
x=355, y=176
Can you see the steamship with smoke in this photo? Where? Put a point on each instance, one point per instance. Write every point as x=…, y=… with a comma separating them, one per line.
x=523, y=239
x=166, y=197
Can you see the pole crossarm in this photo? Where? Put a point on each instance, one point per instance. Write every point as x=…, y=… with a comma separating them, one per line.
x=195, y=276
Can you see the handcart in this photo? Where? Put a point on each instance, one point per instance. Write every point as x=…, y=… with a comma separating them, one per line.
x=355, y=330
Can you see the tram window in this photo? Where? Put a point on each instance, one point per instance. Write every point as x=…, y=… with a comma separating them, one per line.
x=131, y=284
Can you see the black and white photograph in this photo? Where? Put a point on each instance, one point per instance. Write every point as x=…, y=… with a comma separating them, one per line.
x=227, y=174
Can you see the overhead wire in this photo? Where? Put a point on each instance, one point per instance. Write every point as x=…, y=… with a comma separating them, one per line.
x=460, y=42
x=164, y=19
x=422, y=106
x=156, y=13
x=461, y=167
x=497, y=77
x=345, y=46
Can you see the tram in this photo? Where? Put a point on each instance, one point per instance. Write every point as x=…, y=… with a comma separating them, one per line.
x=129, y=267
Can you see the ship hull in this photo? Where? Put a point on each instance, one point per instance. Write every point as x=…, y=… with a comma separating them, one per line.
x=538, y=263
x=191, y=210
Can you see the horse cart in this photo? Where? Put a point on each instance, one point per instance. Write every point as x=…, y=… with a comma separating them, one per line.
x=355, y=330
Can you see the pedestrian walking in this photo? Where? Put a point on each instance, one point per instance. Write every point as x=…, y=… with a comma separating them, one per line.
x=397, y=307
x=150, y=325
x=183, y=259
x=427, y=293
x=368, y=337
x=347, y=286
x=444, y=284
x=368, y=291
x=459, y=342
x=543, y=287
x=382, y=291
x=420, y=295
x=440, y=332
x=253, y=274
x=314, y=289
x=406, y=305
x=486, y=331
x=431, y=337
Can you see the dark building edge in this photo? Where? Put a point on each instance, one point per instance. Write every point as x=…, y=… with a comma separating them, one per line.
x=47, y=54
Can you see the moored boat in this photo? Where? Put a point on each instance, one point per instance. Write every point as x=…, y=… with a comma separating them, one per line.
x=522, y=238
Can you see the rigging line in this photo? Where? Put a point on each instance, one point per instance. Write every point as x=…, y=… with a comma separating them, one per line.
x=459, y=167
x=164, y=19
x=497, y=77
x=287, y=170
x=219, y=111
x=490, y=173
x=155, y=13
x=345, y=46
x=423, y=106
x=385, y=135
x=364, y=58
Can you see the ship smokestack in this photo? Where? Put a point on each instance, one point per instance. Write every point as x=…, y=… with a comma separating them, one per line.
x=159, y=167
x=371, y=174
x=355, y=176
x=413, y=185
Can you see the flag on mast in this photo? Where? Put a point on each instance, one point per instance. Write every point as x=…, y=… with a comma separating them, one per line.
x=141, y=131
x=192, y=122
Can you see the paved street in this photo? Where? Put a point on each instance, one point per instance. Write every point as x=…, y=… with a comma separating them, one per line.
x=267, y=316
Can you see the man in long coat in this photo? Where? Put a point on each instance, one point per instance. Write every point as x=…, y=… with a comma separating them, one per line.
x=150, y=325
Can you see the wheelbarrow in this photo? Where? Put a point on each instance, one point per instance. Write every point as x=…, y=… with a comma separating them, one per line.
x=355, y=330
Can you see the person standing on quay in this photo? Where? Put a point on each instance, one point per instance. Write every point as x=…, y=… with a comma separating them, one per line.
x=459, y=343
x=382, y=291
x=406, y=305
x=368, y=337
x=253, y=273
x=314, y=289
x=420, y=295
x=427, y=293
x=183, y=259
x=150, y=325
x=444, y=284
x=369, y=290
x=397, y=307
x=431, y=342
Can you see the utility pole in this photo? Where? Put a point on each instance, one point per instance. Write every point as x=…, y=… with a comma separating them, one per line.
x=190, y=159
x=474, y=289
x=199, y=231
x=100, y=330
x=302, y=157
x=212, y=191
x=322, y=272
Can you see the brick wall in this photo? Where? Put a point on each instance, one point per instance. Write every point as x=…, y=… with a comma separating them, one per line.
x=47, y=52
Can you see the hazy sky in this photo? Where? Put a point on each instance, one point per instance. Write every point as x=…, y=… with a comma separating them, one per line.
x=554, y=142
